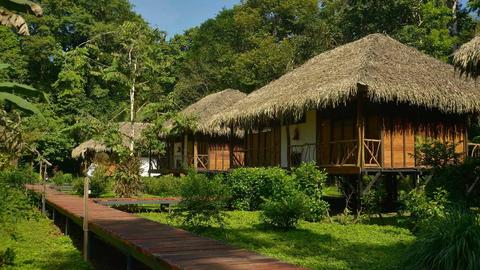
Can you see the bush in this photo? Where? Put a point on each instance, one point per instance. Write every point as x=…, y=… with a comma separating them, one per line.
x=250, y=187
x=449, y=242
x=167, y=185
x=203, y=201
x=61, y=178
x=18, y=177
x=99, y=183
x=311, y=181
x=460, y=181
x=423, y=208
x=286, y=207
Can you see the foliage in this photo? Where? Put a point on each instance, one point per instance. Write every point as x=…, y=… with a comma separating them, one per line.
x=18, y=177
x=167, y=185
x=127, y=180
x=372, y=202
x=60, y=178
x=447, y=242
x=203, y=201
x=423, y=208
x=462, y=182
x=319, y=245
x=99, y=183
x=251, y=186
x=286, y=207
x=311, y=181
x=41, y=245
x=436, y=154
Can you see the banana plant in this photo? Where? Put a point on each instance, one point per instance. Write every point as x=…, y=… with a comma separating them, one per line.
x=9, y=92
x=9, y=18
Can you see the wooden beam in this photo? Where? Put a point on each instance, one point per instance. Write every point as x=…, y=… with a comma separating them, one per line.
x=371, y=183
x=287, y=129
x=195, y=153
x=361, y=126
x=231, y=147
x=185, y=151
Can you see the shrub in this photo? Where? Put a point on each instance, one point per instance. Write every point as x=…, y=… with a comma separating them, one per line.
x=61, y=178
x=436, y=154
x=99, y=183
x=128, y=182
x=18, y=177
x=423, y=208
x=449, y=242
x=251, y=186
x=286, y=207
x=167, y=185
x=203, y=201
x=311, y=181
x=460, y=181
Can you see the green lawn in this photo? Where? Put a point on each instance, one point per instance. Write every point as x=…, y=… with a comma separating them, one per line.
x=42, y=246
x=314, y=245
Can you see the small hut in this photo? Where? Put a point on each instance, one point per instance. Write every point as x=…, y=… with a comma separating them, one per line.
x=207, y=146
x=356, y=109
x=467, y=58
x=96, y=151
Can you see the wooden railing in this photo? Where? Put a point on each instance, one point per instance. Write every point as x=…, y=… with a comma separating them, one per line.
x=343, y=152
x=473, y=150
x=239, y=158
x=372, y=152
x=202, y=162
x=302, y=153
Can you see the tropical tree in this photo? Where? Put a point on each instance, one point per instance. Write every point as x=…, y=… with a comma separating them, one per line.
x=9, y=18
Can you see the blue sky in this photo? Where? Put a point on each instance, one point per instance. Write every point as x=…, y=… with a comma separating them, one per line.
x=176, y=16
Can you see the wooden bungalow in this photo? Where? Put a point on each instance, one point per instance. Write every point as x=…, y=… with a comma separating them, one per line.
x=359, y=108
x=207, y=147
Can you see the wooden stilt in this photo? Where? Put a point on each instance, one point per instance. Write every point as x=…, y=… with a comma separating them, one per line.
x=85, y=218
x=289, y=155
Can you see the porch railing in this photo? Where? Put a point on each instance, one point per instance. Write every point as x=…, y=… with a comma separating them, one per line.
x=343, y=152
x=202, y=162
x=239, y=158
x=372, y=152
x=473, y=150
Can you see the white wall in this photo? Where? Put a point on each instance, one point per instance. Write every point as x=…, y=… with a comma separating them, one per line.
x=306, y=131
x=144, y=167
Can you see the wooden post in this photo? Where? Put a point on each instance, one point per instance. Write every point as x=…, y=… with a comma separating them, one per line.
x=185, y=150
x=85, y=218
x=360, y=126
x=231, y=148
x=44, y=193
x=66, y=226
x=287, y=129
x=195, y=153
x=246, y=142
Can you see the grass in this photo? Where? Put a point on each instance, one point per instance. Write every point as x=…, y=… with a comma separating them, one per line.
x=332, y=191
x=40, y=245
x=313, y=245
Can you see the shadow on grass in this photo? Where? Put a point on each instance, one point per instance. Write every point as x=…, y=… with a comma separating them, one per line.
x=313, y=249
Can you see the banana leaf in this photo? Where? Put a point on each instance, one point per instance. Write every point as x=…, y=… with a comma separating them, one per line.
x=20, y=103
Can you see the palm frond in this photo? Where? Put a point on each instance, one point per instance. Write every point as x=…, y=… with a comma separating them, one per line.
x=22, y=89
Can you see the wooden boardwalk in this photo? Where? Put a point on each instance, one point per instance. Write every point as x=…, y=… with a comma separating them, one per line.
x=156, y=245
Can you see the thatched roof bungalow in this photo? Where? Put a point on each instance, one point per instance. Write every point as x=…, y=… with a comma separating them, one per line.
x=207, y=146
x=467, y=58
x=358, y=107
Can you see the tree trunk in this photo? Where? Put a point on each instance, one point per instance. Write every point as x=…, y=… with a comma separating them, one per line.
x=132, y=104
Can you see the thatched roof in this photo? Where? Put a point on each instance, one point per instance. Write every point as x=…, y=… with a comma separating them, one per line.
x=390, y=70
x=96, y=146
x=207, y=109
x=88, y=146
x=467, y=58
